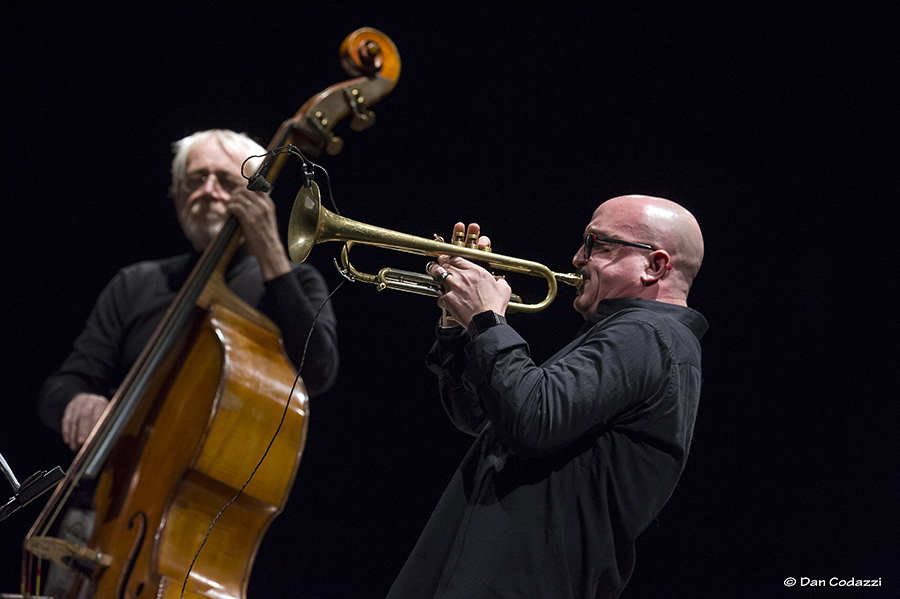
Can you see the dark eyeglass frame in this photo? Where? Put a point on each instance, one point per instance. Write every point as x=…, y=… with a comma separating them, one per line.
x=226, y=180
x=592, y=238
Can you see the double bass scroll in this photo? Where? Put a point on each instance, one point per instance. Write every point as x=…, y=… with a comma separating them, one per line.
x=372, y=58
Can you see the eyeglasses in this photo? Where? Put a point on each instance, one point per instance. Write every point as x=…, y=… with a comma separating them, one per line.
x=591, y=238
x=193, y=181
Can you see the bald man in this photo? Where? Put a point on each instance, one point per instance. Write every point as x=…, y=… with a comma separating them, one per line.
x=573, y=458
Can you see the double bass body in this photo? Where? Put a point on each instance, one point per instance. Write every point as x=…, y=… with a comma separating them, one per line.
x=208, y=425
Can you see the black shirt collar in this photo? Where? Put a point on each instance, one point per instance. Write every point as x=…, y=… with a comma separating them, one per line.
x=180, y=267
x=689, y=317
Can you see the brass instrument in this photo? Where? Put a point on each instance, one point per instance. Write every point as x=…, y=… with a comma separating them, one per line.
x=311, y=223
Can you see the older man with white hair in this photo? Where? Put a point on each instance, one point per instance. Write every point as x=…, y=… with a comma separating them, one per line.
x=207, y=186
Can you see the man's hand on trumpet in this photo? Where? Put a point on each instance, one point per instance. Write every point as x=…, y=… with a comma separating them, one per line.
x=468, y=288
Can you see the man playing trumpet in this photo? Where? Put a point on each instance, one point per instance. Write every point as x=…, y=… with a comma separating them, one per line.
x=575, y=457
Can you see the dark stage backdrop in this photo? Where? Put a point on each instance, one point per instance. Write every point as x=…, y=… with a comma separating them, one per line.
x=776, y=126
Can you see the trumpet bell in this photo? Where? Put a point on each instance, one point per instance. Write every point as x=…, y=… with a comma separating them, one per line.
x=303, y=225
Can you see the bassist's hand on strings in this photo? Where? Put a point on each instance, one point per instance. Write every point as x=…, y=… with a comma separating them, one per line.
x=80, y=416
x=211, y=189
x=256, y=213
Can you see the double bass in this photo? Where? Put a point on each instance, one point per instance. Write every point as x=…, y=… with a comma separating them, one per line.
x=198, y=448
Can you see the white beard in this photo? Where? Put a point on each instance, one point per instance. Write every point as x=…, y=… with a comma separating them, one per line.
x=201, y=222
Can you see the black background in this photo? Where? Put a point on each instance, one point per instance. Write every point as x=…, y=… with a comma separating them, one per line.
x=776, y=126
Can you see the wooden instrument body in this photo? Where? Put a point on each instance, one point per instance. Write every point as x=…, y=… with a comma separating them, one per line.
x=209, y=416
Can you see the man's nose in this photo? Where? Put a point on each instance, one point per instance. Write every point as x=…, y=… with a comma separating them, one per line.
x=578, y=259
x=211, y=187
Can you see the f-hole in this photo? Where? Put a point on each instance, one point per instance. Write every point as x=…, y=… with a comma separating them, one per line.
x=141, y=517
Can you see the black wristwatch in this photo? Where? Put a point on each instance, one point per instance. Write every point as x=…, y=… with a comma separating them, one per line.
x=483, y=321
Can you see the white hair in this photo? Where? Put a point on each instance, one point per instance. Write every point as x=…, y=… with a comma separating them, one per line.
x=239, y=143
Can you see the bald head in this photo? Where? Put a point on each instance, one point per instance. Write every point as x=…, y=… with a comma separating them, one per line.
x=663, y=224
x=663, y=272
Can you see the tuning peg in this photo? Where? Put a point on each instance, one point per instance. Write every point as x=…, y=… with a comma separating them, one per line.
x=334, y=145
x=362, y=120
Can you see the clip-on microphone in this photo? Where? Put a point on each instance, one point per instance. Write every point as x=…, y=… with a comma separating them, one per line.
x=257, y=182
x=37, y=484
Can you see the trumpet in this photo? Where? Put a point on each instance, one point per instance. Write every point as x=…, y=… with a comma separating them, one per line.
x=311, y=223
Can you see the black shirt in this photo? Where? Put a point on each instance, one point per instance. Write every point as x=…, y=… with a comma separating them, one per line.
x=573, y=458
x=136, y=299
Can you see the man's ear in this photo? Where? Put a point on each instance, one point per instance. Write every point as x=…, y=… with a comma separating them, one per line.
x=658, y=263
